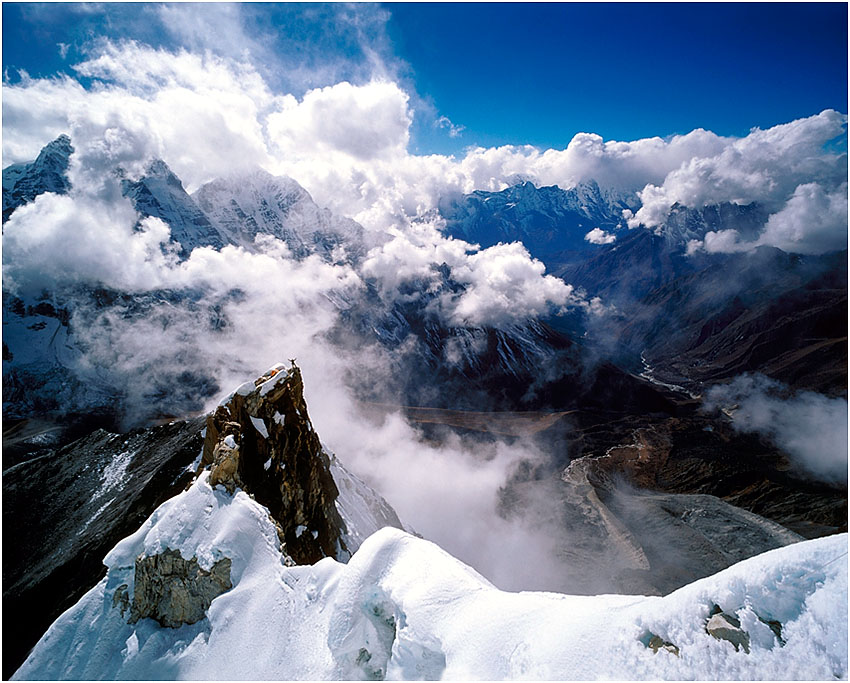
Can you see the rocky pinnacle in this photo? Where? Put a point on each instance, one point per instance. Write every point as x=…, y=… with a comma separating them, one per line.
x=260, y=439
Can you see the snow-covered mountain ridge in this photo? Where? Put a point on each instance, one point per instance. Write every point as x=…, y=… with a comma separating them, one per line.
x=47, y=173
x=547, y=220
x=560, y=226
x=214, y=570
x=45, y=357
x=260, y=439
x=404, y=609
x=258, y=203
x=159, y=193
x=394, y=326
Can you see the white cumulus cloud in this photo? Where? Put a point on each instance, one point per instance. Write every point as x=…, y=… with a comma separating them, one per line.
x=599, y=236
x=501, y=285
x=785, y=168
x=365, y=122
x=347, y=143
x=813, y=221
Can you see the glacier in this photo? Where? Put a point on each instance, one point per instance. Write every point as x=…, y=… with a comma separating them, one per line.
x=404, y=609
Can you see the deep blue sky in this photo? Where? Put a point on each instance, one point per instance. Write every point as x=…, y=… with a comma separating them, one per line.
x=540, y=72
x=532, y=73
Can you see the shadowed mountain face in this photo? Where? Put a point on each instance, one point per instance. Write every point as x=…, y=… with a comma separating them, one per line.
x=769, y=312
x=795, y=338
x=65, y=507
x=548, y=220
x=48, y=173
x=160, y=194
x=529, y=366
x=694, y=318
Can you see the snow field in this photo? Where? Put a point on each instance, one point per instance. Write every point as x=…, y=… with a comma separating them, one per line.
x=402, y=608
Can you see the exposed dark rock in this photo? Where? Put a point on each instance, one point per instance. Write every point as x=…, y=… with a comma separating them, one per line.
x=65, y=508
x=261, y=440
x=225, y=465
x=120, y=598
x=175, y=591
x=656, y=643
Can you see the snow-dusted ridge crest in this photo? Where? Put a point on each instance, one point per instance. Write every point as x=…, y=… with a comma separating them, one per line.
x=402, y=608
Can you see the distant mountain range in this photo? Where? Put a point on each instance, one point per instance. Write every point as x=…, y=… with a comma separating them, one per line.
x=695, y=318
x=645, y=490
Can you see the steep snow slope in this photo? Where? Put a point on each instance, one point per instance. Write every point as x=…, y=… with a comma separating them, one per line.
x=363, y=509
x=257, y=203
x=159, y=193
x=39, y=352
x=75, y=503
x=24, y=182
x=404, y=609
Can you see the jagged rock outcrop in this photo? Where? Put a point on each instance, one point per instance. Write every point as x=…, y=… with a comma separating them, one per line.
x=657, y=643
x=260, y=439
x=175, y=591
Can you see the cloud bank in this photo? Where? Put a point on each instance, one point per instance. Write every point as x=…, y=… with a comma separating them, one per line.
x=204, y=324
x=211, y=113
x=810, y=427
x=347, y=143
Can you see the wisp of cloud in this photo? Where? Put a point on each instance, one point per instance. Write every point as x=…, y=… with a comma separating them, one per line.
x=810, y=427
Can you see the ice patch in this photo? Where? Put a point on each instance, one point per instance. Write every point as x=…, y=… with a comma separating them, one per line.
x=114, y=473
x=260, y=426
x=95, y=516
x=242, y=390
x=245, y=389
x=269, y=384
x=196, y=463
x=361, y=507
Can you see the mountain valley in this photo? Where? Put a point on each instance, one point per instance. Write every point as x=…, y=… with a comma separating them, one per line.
x=617, y=438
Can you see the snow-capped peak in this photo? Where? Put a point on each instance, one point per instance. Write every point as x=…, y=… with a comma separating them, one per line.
x=159, y=193
x=546, y=219
x=246, y=204
x=48, y=173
